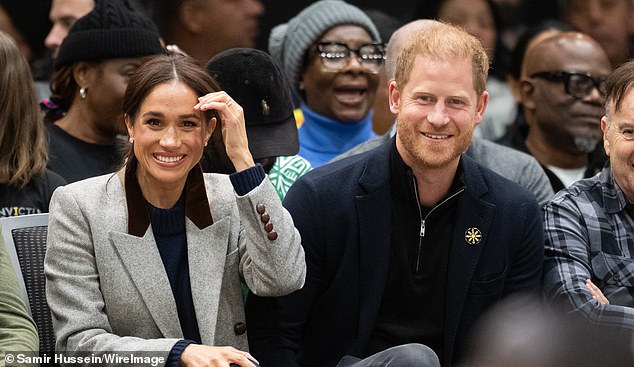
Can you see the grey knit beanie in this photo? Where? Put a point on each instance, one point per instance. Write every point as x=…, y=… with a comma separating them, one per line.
x=288, y=42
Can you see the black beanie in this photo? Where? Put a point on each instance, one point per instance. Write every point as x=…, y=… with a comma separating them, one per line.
x=112, y=30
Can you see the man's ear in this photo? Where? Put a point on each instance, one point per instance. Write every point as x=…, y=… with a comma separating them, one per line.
x=394, y=95
x=606, y=141
x=481, y=106
x=527, y=94
x=82, y=73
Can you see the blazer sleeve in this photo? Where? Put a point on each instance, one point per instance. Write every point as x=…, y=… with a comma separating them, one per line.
x=525, y=271
x=80, y=320
x=275, y=324
x=271, y=263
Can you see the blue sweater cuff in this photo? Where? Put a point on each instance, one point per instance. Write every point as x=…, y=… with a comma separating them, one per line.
x=245, y=181
x=174, y=358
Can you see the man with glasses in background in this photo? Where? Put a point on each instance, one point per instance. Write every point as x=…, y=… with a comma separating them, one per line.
x=563, y=101
x=407, y=244
x=589, y=266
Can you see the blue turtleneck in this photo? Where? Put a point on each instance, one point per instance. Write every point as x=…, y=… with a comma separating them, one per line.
x=321, y=138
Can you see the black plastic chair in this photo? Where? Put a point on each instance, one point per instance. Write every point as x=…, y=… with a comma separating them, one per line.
x=25, y=239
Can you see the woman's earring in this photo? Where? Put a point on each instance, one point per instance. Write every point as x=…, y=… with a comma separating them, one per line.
x=131, y=140
x=82, y=92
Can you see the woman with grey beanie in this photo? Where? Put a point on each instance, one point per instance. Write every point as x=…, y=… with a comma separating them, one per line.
x=332, y=54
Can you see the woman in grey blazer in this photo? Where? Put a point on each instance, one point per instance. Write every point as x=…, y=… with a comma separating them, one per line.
x=151, y=259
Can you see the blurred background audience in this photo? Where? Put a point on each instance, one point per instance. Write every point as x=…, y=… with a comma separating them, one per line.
x=63, y=14
x=332, y=54
x=609, y=22
x=203, y=28
x=27, y=23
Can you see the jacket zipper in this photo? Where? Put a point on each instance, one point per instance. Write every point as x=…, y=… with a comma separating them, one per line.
x=422, y=220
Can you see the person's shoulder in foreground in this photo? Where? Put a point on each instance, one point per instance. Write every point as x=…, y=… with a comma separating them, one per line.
x=17, y=330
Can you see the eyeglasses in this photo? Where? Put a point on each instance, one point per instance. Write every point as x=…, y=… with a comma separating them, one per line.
x=577, y=84
x=335, y=55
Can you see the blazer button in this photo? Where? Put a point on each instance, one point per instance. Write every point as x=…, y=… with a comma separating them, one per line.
x=268, y=227
x=265, y=218
x=272, y=236
x=240, y=328
x=260, y=208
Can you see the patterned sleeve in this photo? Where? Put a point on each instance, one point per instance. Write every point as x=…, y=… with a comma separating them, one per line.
x=570, y=227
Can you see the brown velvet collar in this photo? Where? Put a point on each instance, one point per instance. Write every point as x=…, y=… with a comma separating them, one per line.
x=196, y=204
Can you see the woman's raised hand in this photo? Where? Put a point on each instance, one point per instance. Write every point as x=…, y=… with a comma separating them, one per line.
x=234, y=133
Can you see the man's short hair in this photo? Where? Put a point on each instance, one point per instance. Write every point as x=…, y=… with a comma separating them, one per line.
x=617, y=85
x=444, y=42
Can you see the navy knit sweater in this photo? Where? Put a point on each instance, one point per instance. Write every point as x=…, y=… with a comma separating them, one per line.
x=168, y=226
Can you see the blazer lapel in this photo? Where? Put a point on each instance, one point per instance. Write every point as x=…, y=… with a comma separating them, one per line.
x=141, y=258
x=375, y=221
x=207, y=250
x=474, y=218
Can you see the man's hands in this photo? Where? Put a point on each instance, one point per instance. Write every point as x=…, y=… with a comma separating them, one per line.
x=596, y=293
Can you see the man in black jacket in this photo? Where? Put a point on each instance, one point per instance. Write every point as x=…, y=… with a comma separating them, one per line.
x=407, y=244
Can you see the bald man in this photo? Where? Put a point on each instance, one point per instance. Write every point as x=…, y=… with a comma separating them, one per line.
x=562, y=97
x=509, y=163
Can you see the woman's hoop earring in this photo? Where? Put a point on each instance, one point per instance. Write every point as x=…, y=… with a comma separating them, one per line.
x=82, y=92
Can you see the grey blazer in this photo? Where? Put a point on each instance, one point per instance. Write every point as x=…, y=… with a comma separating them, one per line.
x=108, y=291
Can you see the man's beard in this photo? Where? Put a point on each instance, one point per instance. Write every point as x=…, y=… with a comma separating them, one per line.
x=426, y=157
x=585, y=144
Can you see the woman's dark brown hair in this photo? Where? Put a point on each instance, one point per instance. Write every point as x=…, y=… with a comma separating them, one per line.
x=162, y=69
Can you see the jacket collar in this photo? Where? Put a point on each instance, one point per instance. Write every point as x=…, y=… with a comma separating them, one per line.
x=197, y=207
x=614, y=199
x=468, y=174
